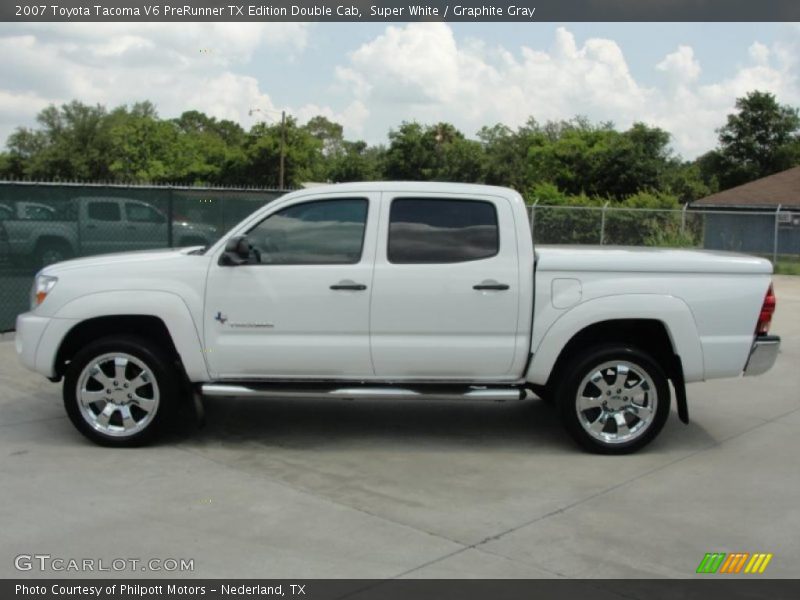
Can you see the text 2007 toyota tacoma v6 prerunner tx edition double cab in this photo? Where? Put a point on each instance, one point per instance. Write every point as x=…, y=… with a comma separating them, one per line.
x=397, y=290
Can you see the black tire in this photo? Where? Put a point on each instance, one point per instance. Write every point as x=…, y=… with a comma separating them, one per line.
x=167, y=385
x=582, y=366
x=49, y=252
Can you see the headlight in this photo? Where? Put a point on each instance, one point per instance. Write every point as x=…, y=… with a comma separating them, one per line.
x=41, y=287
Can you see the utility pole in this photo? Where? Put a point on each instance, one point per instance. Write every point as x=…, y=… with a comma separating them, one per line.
x=282, y=171
x=283, y=147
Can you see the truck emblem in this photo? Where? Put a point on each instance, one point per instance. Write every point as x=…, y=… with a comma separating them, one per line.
x=221, y=318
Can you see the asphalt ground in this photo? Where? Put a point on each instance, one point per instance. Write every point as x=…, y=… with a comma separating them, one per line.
x=359, y=489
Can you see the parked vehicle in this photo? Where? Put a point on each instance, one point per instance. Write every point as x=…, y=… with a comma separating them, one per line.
x=92, y=225
x=397, y=290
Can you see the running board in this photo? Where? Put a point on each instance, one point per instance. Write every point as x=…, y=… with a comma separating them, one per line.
x=352, y=392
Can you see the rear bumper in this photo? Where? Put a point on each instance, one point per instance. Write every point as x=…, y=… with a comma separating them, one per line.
x=762, y=354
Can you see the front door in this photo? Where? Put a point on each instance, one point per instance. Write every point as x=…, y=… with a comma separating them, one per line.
x=303, y=310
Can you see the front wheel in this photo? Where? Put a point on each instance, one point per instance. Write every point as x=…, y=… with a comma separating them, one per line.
x=613, y=399
x=121, y=391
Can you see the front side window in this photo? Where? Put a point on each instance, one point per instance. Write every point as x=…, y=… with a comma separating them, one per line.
x=104, y=211
x=425, y=230
x=318, y=233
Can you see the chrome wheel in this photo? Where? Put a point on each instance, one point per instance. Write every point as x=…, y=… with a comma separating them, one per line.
x=616, y=402
x=117, y=394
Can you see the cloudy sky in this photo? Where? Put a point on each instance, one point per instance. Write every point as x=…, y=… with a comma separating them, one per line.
x=370, y=77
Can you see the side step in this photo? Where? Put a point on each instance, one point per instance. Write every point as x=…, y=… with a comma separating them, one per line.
x=352, y=392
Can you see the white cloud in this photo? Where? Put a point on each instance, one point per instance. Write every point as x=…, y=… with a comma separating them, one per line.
x=203, y=66
x=352, y=118
x=759, y=53
x=681, y=65
x=420, y=71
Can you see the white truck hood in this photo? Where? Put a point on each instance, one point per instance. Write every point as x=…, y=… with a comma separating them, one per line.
x=102, y=260
x=651, y=260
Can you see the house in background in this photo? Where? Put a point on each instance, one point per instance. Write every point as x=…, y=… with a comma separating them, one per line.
x=748, y=217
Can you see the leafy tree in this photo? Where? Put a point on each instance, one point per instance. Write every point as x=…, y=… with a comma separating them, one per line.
x=432, y=153
x=506, y=154
x=761, y=138
x=71, y=143
x=262, y=153
x=579, y=157
x=357, y=162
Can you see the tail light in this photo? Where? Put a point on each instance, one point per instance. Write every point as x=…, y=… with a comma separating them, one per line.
x=767, y=310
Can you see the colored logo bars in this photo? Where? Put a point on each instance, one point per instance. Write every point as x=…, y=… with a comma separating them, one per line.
x=734, y=563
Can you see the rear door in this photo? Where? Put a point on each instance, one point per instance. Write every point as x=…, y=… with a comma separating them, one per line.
x=445, y=295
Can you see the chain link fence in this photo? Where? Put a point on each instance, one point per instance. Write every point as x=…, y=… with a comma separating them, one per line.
x=42, y=223
x=772, y=234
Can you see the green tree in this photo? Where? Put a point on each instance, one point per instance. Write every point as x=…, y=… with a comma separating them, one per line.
x=506, y=154
x=579, y=157
x=357, y=162
x=432, y=153
x=72, y=142
x=759, y=139
x=261, y=160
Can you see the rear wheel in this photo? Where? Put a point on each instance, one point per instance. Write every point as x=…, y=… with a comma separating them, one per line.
x=121, y=391
x=613, y=399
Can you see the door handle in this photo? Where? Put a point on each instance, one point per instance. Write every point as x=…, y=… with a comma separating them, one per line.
x=349, y=285
x=490, y=284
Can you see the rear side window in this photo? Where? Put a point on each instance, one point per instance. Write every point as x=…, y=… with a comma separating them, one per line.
x=425, y=230
x=104, y=211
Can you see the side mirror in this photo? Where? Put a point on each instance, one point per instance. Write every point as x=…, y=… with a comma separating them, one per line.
x=239, y=251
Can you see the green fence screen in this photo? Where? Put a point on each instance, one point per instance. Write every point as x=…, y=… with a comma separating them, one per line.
x=42, y=223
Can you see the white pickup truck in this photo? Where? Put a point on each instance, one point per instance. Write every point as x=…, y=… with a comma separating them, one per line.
x=397, y=290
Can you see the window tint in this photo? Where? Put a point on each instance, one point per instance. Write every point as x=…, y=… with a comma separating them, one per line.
x=104, y=211
x=142, y=213
x=441, y=231
x=320, y=232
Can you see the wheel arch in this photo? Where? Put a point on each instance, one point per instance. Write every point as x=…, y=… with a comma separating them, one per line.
x=661, y=325
x=54, y=239
x=160, y=316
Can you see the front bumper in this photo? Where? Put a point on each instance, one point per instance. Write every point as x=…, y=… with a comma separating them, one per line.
x=762, y=354
x=29, y=331
x=38, y=339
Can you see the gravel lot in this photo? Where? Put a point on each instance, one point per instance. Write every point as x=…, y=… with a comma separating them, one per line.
x=358, y=489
